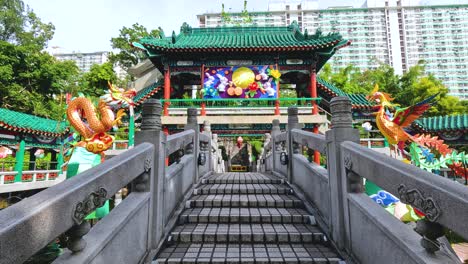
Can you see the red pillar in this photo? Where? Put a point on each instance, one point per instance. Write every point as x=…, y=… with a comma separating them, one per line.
x=167, y=90
x=203, y=109
x=313, y=94
x=277, y=104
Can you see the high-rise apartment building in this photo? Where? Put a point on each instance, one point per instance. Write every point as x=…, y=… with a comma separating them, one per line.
x=396, y=32
x=84, y=61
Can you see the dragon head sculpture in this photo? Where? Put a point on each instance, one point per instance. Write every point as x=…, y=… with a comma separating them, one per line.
x=117, y=97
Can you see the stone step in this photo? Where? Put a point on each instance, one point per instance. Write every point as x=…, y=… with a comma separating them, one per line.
x=240, y=178
x=206, y=253
x=243, y=189
x=245, y=200
x=252, y=233
x=246, y=215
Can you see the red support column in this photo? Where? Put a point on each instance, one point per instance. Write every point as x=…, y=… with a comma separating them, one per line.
x=277, y=104
x=203, y=104
x=167, y=90
x=203, y=109
x=313, y=94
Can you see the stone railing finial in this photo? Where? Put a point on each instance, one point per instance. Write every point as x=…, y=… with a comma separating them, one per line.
x=293, y=119
x=206, y=126
x=192, y=115
x=151, y=115
x=341, y=112
x=275, y=129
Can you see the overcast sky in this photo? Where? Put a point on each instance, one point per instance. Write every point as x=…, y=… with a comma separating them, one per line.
x=88, y=25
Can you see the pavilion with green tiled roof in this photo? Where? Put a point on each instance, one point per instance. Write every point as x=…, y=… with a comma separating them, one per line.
x=299, y=56
x=21, y=132
x=452, y=128
x=235, y=40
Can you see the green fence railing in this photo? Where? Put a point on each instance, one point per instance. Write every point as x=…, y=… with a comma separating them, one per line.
x=239, y=102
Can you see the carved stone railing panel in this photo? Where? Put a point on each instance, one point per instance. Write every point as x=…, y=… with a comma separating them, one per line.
x=179, y=141
x=281, y=137
x=310, y=140
x=441, y=199
x=31, y=224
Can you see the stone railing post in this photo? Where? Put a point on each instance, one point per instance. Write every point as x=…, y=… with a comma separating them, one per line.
x=342, y=130
x=293, y=123
x=207, y=131
x=215, y=156
x=275, y=130
x=264, y=161
x=192, y=123
x=155, y=168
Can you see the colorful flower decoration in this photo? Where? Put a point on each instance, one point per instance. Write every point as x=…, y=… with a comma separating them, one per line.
x=253, y=87
x=274, y=73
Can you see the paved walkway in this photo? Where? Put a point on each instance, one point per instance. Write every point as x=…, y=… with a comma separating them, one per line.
x=246, y=218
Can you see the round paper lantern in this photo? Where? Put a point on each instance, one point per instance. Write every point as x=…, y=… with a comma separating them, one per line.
x=240, y=140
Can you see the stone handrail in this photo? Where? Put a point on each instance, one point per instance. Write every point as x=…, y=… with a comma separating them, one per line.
x=310, y=140
x=179, y=141
x=441, y=199
x=205, y=160
x=143, y=219
x=64, y=206
x=282, y=137
x=204, y=138
x=360, y=228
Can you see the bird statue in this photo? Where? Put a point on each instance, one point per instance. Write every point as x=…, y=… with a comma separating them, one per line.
x=391, y=120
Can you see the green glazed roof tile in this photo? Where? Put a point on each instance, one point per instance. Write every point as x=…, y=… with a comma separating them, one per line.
x=443, y=123
x=146, y=92
x=241, y=38
x=358, y=100
x=17, y=121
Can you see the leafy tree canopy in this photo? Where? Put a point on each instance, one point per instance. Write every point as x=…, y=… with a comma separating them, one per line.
x=20, y=25
x=410, y=88
x=31, y=81
x=128, y=56
x=95, y=82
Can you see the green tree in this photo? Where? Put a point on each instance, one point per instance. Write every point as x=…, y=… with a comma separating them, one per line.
x=31, y=81
x=20, y=25
x=127, y=56
x=95, y=82
x=408, y=89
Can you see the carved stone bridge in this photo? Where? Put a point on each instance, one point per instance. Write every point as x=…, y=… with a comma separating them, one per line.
x=293, y=211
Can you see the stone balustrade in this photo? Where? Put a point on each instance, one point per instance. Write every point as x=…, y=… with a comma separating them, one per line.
x=360, y=228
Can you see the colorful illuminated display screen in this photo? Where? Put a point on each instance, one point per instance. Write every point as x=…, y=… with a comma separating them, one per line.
x=241, y=82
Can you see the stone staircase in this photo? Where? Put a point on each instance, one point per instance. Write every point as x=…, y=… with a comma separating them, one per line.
x=246, y=218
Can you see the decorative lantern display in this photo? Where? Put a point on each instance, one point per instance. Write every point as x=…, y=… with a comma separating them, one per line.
x=4, y=152
x=39, y=153
x=367, y=126
x=240, y=140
